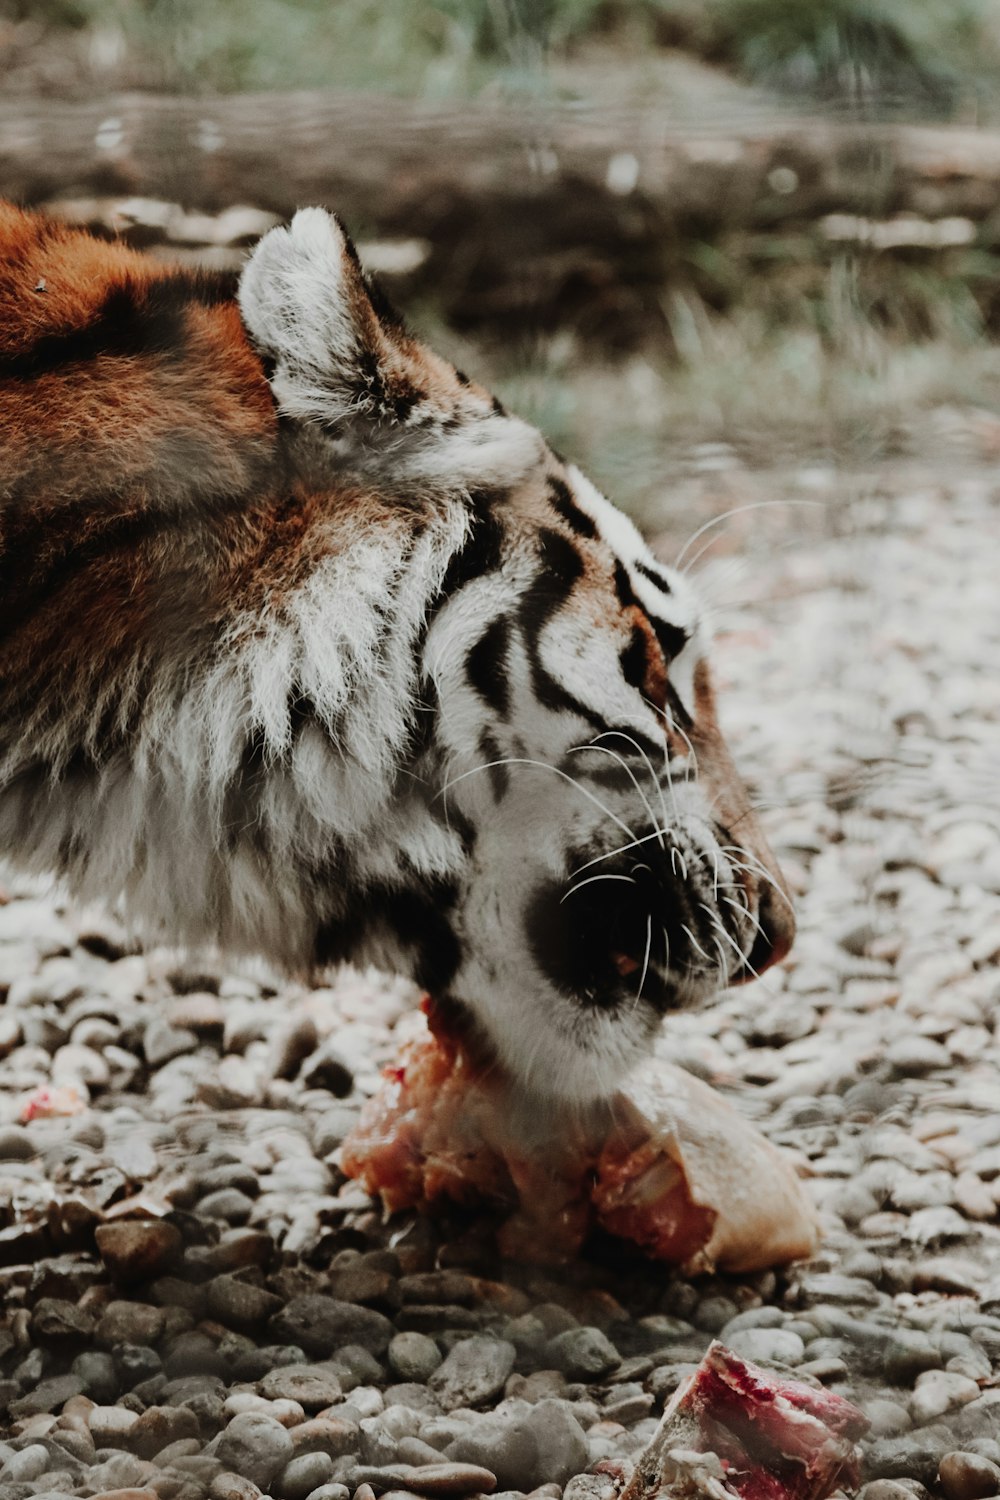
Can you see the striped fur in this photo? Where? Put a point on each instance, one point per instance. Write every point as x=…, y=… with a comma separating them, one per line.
x=310, y=649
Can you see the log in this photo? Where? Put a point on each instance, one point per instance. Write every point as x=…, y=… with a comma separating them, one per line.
x=408, y=166
x=517, y=204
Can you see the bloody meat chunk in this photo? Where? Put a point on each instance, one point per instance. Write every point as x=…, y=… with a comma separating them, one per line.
x=668, y=1163
x=735, y=1430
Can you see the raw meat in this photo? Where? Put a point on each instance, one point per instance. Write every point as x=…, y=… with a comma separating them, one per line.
x=668, y=1163
x=735, y=1430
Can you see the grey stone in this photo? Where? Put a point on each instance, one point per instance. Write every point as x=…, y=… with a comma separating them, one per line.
x=583, y=1353
x=887, y=1418
x=302, y=1475
x=240, y=1304
x=473, y=1373
x=938, y=1392
x=768, y=1346
x=413, y=1356
x=256, y=1446
x=130, y=1323
x=545, y=1443
x=320, y=1325
x=227, y=1203
x=312, y=1386
x=25, y=1466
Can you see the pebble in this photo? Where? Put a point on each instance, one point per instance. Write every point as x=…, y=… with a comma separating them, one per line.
x=940, y=1391
x=137, y=1249
x=16, y=1143
x=583, y=1353
x=768, y=1346
x=473, y=1373
x=413, y=1356
x=312, y=1387
x=321, y=1324
x=966, y=1476
x=255, y=1446
x=302, y=1475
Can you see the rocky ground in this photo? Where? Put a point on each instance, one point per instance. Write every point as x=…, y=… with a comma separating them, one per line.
x=196, y=1303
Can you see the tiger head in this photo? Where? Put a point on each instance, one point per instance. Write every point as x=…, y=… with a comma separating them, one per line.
x=567, y=853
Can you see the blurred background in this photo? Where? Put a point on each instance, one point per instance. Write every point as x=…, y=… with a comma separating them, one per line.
x=690, y=238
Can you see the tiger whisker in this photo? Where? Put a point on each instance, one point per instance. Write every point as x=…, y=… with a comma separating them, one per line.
x=645, y=961
x=630, y=739
x=590, y=881
x=622, y=849
x=728, y=515
x=540, y=765
x=694, y=942
x=603, y=750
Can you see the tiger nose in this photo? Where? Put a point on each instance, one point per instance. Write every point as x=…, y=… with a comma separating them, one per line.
x=776, y=934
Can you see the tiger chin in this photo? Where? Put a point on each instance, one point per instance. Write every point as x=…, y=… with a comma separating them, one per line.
x=311, y=650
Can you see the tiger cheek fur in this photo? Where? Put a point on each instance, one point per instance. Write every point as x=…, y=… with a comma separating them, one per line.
x=309, y=649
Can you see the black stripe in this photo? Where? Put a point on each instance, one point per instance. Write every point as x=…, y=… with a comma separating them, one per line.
x=653, y=576
x=486, y=666
x=29, y=577
x=634, y=659
x=491, y=753
x=672, y=638
x=562, y=568
x=134, y=319
x=562, y=501
x=416, y=917
x=482, y=551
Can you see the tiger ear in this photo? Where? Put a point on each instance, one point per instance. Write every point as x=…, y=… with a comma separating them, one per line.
x=311, y=313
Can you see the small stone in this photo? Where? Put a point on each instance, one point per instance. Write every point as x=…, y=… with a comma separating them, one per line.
x=367, y=1285
x=23, y=1467
x=293, y=1043
x=161, y=1042
x=545, y=1445
x=302, y=1475
x=886, y=1489
x=940, y=1391
x=228, y=1486
x=473, y=1373
x=413, y=1356
x=240, y=1304
x=436, y=1479
x=158, y=1427
x=130, y=1323
x=16, y=1143
x=137, y=1249
x=233, y=1085
x=226, y=1203
x=110, y=1425
x=966, y=1476
x=913, y=1056
x=320, y=1325
x=49, y=1396
x=255, y=1446
x=768, y=1346
x=58, y=1319
x=335, y=1435
x=333, y=1127
x=310, y=1385
x=583, y=1353
x=97, y=1371
x=887, y=1418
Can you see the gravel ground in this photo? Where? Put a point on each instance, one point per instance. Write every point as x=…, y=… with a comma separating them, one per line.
x=270, y=1334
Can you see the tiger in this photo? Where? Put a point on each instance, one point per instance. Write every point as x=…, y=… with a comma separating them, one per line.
x=310, y=650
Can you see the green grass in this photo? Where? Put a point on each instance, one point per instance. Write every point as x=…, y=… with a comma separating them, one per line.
x=930, y=53
x=839, y=389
